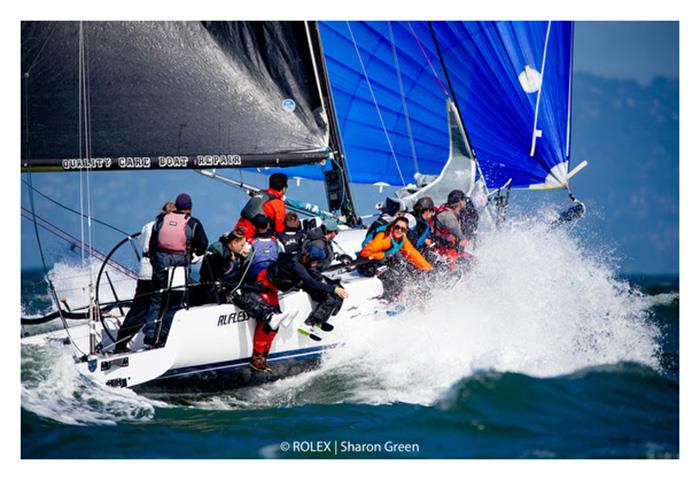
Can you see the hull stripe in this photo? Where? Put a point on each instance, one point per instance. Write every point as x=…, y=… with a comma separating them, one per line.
x=274, y=358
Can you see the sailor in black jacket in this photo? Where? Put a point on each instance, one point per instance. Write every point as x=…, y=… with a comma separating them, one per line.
x=223, y=268
x=289, y=272
x=322, y=237
x=293, y=236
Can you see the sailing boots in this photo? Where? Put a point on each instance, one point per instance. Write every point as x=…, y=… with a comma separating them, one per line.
x=259, y=362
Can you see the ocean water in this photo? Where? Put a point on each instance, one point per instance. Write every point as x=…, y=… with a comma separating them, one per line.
x=543, y=350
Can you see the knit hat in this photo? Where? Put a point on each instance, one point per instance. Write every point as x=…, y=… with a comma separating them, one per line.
x=183, y=202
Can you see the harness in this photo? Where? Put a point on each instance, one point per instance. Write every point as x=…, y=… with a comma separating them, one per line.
x=395, y=246
x=442, y=234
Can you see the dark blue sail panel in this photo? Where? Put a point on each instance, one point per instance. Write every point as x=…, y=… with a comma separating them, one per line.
x=498, y=70
x=380, y=146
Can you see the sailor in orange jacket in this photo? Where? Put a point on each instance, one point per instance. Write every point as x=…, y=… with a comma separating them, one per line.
x=387, y=242
x=268, y=202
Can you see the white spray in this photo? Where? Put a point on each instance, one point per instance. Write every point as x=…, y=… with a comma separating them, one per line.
x=535, y=302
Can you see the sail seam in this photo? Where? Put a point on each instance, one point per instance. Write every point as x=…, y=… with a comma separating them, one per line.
x=376, y=105
x=403, y=98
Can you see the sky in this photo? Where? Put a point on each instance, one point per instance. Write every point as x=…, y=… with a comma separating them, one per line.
x=633, y=51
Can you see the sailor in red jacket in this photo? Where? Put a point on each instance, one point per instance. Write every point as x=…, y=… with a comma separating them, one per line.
x=268, y=202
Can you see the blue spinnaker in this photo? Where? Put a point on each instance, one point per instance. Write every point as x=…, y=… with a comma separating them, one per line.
x=512, y=80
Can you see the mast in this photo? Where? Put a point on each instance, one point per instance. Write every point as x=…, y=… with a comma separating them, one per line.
x=455, y=101
x=336, y=179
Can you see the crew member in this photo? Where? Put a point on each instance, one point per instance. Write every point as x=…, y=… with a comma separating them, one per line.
x=136, y=316
x=450, y=238
x=261, y=300
x=387, y=217
x=469, y=220
x=421, y=224
x=303, y=272
x=225, y=263
x=293, y=236
x=268, y=202
x=380, y=251
x=266, y=247
x=177, y=236
x=322, y=237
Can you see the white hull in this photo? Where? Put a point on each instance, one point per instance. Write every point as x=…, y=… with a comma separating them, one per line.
x=208, y=347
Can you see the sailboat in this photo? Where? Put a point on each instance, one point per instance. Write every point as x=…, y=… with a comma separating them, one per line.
x=105, y=96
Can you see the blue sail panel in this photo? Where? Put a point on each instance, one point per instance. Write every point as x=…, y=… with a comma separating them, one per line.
x=498, y=71
x=369, y=65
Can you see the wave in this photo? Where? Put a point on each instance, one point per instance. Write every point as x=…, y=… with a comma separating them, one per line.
x=52, y=388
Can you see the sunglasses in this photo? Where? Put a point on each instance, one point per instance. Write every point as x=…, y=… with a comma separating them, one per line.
x=400, y=229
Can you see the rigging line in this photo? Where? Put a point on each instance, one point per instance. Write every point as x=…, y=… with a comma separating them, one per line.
x=96, y=253
x=41, y=50
x=52, y=289
x=430, y=64
x=403, y=98
x=86, y=127
x=88, y=116
x=56, y=202
x=313, y=63
x=90, y=250
x=376, y=105
x=80, y=138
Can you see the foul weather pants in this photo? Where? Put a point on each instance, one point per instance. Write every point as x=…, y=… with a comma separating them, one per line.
x=136, y=316
x=261, y=306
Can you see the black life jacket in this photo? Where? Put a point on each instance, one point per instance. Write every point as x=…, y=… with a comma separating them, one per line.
x=420, y=232
x=292, y=241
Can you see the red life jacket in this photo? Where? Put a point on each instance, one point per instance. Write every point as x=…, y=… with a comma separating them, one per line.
x=443, y=235
x=172, y=235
